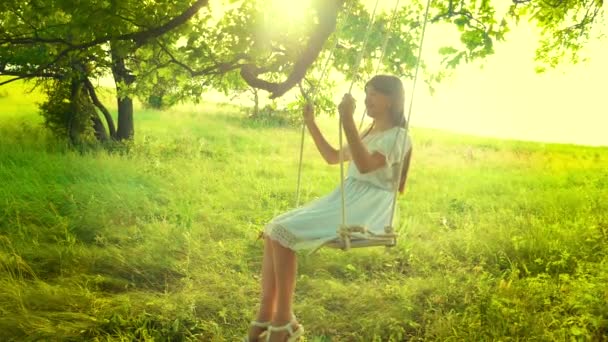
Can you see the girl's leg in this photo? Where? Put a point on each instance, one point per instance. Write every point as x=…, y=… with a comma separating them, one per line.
x=285, y=264
x=268, y=285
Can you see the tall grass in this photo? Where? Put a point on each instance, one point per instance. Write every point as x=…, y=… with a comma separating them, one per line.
x=500, y=240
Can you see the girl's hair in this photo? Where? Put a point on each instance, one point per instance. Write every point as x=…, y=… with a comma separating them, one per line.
x=392, y=87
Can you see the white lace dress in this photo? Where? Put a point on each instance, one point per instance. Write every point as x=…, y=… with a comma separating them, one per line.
x=368, y=199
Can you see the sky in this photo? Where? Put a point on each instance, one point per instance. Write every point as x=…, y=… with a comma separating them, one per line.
x=508, y=99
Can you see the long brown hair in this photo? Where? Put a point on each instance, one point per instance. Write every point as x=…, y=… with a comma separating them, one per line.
x=392, y=87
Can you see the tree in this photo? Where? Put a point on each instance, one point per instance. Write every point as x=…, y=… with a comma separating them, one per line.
x=566, y=27
x=74, y=41
x=175, y=48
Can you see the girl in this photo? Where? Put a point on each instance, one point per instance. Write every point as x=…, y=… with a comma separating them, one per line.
x=369, y=189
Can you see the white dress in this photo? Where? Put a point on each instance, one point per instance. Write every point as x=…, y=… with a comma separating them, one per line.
x=368, y=199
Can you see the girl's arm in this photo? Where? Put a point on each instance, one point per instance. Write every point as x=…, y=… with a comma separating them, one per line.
x=329, y=153
x=363, y=159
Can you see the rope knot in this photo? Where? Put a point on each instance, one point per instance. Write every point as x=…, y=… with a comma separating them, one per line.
x=345, y=233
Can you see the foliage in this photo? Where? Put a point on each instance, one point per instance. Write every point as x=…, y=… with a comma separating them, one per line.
x=566, y=27
x=168, y=51
x=66, y=115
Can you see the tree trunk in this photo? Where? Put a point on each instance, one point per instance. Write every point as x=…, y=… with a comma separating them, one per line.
x=102, y=108
x=73, y=132
x=125, y=118
x=122, y=78
x=100, y=129
x=256, y=100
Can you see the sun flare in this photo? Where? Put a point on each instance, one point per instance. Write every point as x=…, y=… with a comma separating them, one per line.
x=289, y=11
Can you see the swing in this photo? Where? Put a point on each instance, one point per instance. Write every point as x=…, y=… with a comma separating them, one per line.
x=354, y=236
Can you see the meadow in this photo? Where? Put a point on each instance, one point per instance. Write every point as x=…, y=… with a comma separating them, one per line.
x=156, y=240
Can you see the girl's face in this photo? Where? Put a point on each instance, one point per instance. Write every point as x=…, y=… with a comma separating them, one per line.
x=378, y=105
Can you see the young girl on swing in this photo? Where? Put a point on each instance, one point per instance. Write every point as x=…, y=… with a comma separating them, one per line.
x=369, y=190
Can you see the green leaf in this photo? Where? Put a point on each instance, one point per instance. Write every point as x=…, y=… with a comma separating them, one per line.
x=447, y=50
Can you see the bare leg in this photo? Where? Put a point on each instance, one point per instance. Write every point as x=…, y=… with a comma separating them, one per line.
x=285, y=270
x=268, y=285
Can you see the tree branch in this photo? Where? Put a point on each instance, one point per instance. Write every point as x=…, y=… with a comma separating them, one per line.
x=102, y=108
x=22, y=76
x=11, y=80
x=139, y=37
x=219, y=68
x=34, y=40
x=327, y=13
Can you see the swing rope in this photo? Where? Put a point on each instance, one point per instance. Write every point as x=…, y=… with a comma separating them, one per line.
x=345, y=233
x=354, y=80
x=409, y=112
x=383, y=51
x=314, y=96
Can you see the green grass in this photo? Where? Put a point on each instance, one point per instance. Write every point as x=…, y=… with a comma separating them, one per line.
x=500, y=240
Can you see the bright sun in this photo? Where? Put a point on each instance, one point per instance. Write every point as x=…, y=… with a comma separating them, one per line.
x=288, y=11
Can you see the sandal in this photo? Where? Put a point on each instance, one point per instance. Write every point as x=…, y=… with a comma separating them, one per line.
x=294, y=335
x=263, y=325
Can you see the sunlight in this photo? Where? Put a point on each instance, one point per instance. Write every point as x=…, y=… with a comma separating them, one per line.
x=287, y=11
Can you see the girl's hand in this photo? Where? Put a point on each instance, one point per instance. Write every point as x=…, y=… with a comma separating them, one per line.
x=346, y=108
x=308, y=112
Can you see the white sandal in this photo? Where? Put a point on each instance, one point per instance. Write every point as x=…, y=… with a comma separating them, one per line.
x=293, y=335
x=263, y=325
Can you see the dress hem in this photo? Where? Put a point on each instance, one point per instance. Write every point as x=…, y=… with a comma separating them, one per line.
x=280, y=234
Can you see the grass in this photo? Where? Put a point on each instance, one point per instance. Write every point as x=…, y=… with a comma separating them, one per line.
x=500, y=240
